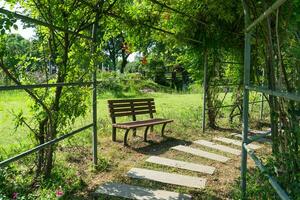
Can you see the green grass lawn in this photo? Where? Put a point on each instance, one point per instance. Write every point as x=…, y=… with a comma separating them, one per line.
x=73, y=167
x=10, y=104
x=183, y=108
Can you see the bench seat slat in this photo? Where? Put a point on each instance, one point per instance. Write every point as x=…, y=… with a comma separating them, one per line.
x=130, y=109
x=128, y=104
x=130, y=100
x=137, y=124
x=131, y=113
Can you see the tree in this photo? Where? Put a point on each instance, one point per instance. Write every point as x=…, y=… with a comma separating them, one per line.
x=16, y=48
x=55, y=110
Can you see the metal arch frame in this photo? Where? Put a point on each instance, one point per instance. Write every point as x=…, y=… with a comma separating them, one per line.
x=247, y=88
x=205, y=86
x=42, y=23
x=93, y=83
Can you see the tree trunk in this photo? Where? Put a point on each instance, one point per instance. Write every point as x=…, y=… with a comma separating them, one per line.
x=211, y=110
x=124, y=61
x=211, y=96
x=271, y=85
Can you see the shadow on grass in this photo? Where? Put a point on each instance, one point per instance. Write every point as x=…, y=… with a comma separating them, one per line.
x=159, y=148
x=205, y=195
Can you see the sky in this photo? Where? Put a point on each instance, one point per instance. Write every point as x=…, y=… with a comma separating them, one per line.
x=29, y=33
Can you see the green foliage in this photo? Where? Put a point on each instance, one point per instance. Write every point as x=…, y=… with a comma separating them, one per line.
x=6, y=22
x=258, y=187
x=206, y=27
x=15, y=182
x=157, y=71
x=14, y=51
x=103, y=165
x=120, y=84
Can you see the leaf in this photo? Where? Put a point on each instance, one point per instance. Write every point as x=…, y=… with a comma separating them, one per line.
x=15, y=26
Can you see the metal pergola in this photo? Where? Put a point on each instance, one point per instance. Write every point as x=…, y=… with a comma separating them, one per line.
x=205, y=88
x=248, y=88
x=93, y=84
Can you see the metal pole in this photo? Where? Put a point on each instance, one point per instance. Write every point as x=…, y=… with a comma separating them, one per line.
x=258, y=137
x=278, y=93
x=232, y=105
x=262, y=100
x=261, y=106
x=41, y=23
x=204, y=90
x=268, y=12
x=42, y=146
x=22, y=87
x=247, y=59
x=94, y=77
x=281, y=193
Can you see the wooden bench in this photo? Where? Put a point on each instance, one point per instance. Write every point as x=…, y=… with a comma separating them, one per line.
x=134, y=107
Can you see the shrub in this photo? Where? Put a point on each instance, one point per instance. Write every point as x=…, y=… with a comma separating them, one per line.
x=119, y=84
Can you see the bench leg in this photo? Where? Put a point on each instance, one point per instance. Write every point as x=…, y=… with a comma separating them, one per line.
x=125, y=137
x=114, y=134
x=163, y=129
x=145, y=133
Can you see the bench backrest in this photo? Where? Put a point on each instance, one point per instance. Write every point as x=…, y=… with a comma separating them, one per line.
x=131, y=107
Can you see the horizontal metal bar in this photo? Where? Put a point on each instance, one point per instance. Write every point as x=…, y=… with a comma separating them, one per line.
x=225, y=85
x=21, y=87
x=42, y=146
x=258, y=137
x=269, y=11
x=41, y=23
x=226, y=106
x=265, y=90
x=282, y=194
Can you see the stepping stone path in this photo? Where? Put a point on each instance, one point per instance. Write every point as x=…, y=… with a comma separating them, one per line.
x=259, y=131
x=182, y=165
x=141, y=193
x=170, y=178
x=218, y=147
x=237, y=135
x=198, y=152
x=240, y=136
x=235, y=142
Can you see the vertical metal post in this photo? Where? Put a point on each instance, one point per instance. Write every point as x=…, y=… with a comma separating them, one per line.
x=261, y=106
x=94, y=77
x=247, y=59
x=262, y=101
x=204, y=90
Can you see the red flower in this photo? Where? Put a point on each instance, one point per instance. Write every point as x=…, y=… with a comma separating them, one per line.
x=59, y=192
x=15, y=195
